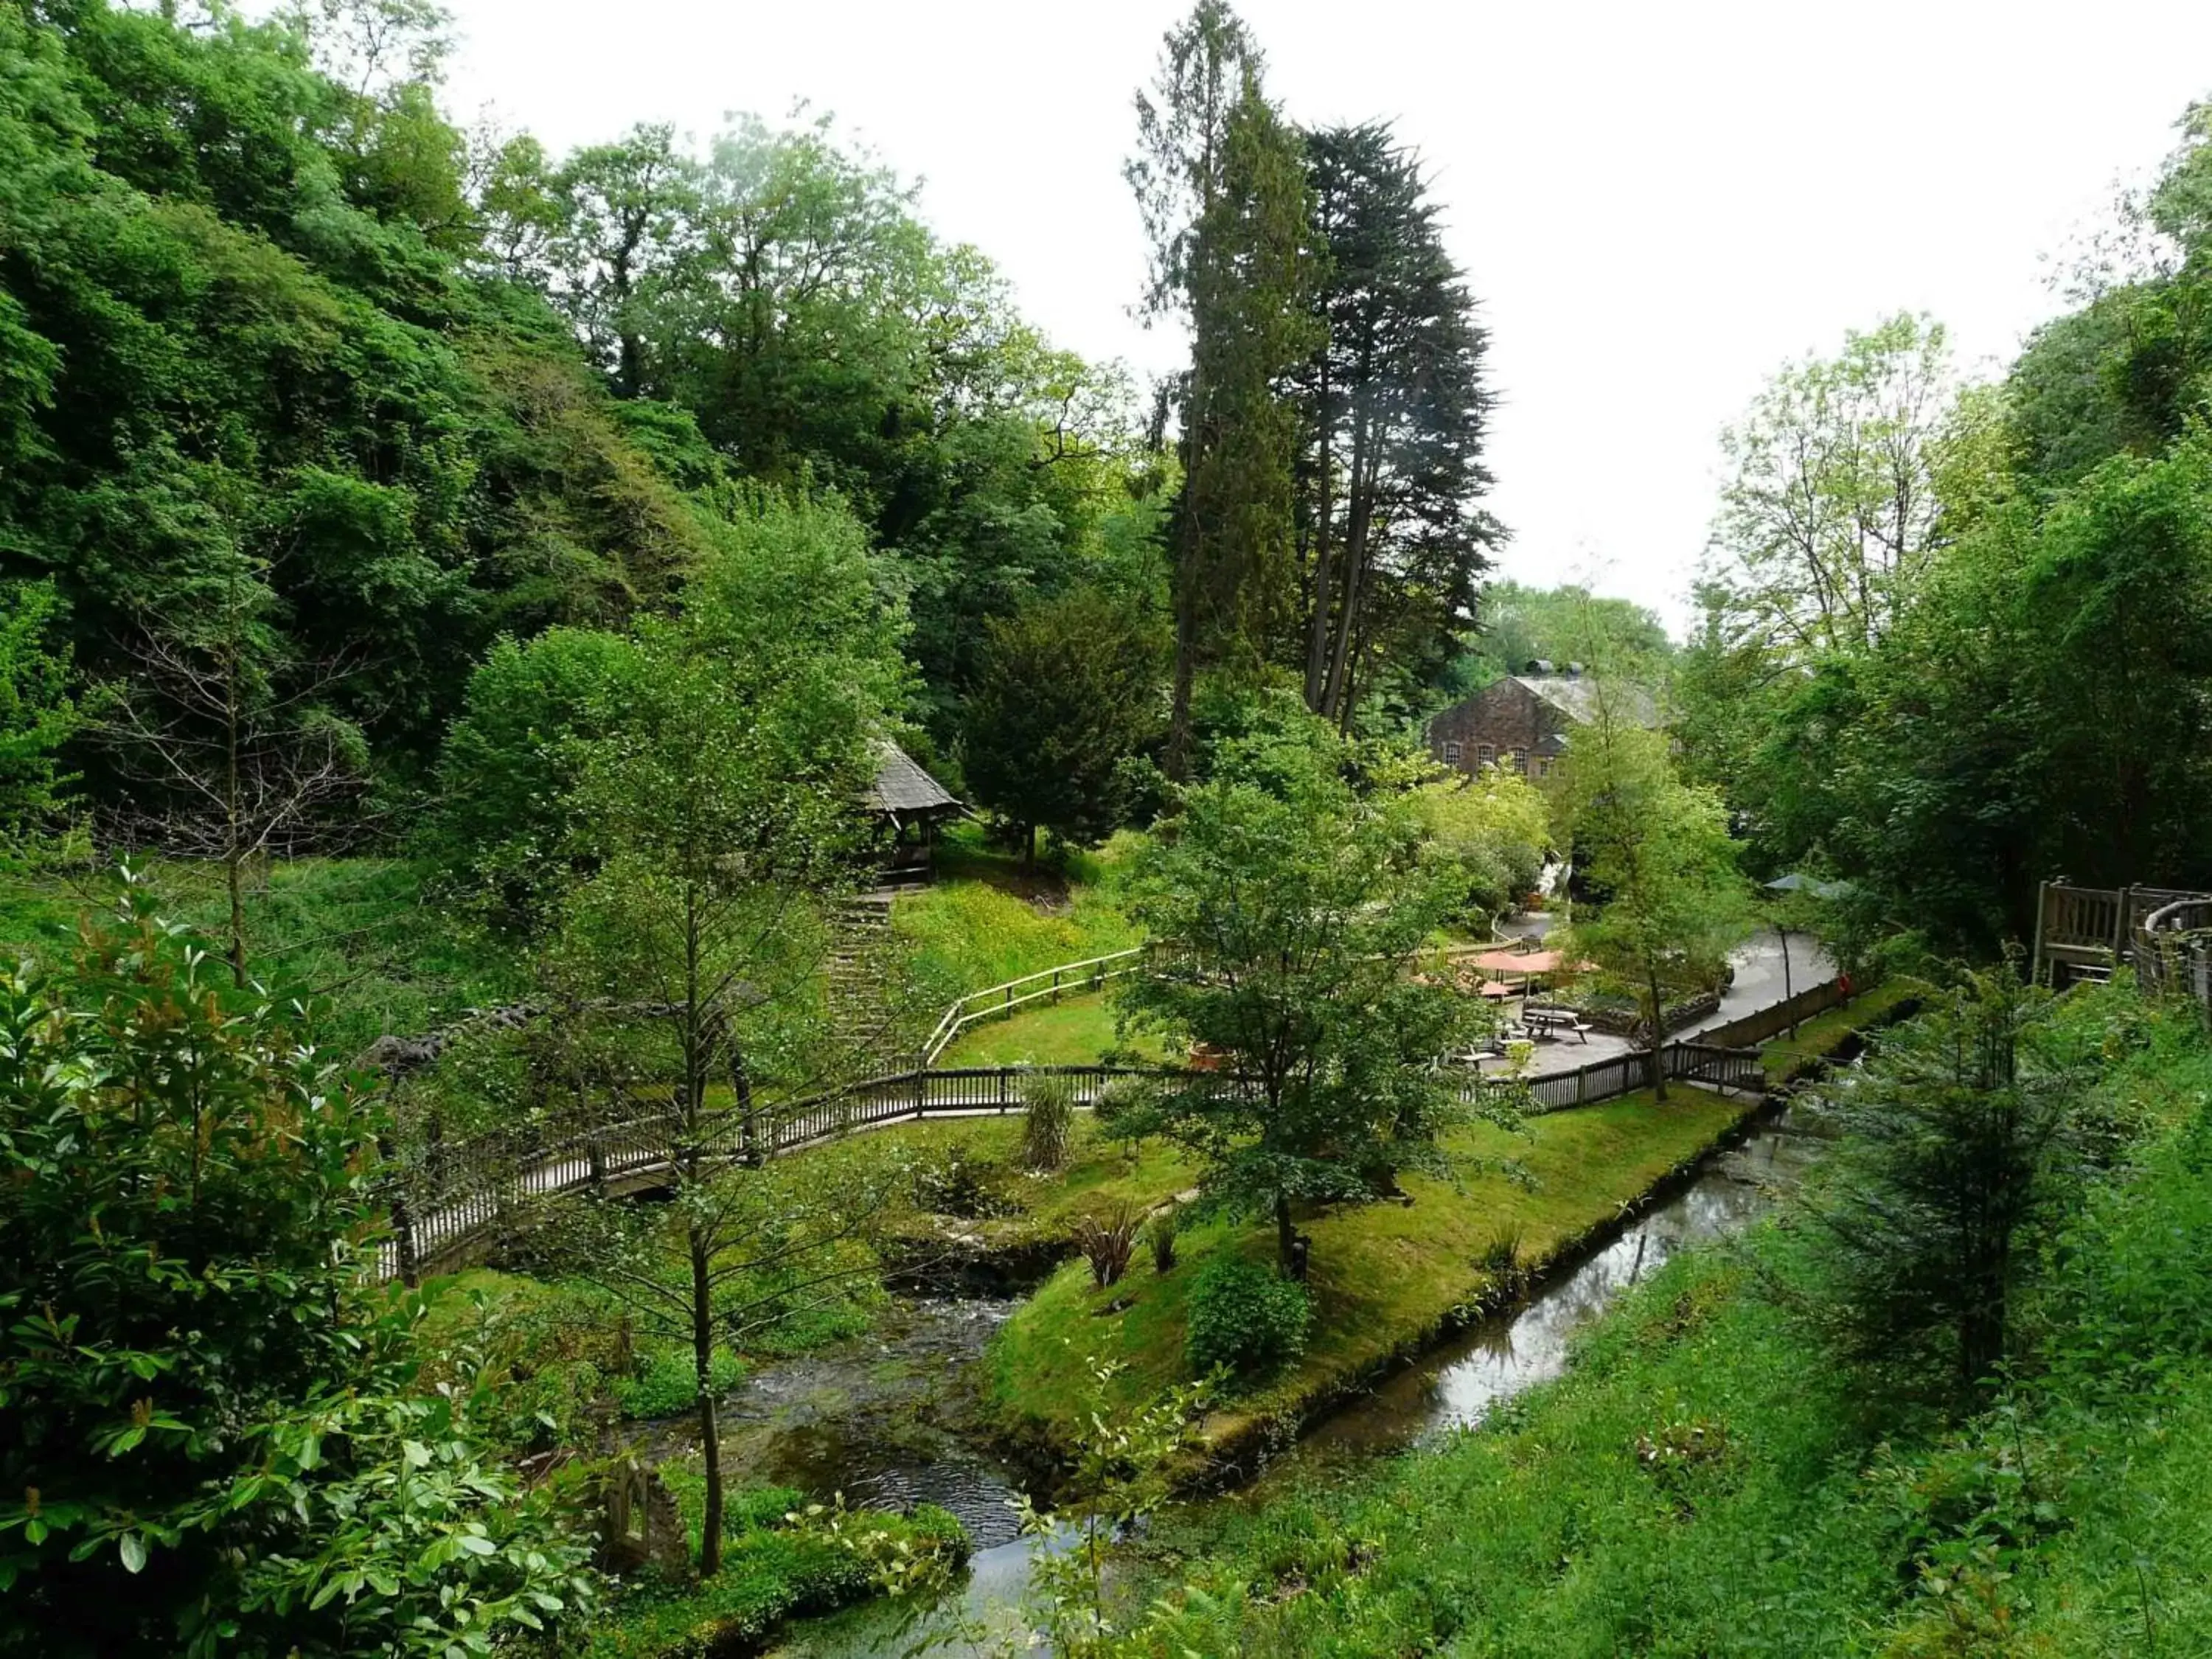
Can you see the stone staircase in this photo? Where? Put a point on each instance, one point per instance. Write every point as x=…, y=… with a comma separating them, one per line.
x=860, y=986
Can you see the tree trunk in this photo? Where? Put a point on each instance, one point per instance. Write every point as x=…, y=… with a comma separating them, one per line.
x=1359, y=511
x=1176, y=761
x=1318, y=624
x=234, y=881
x=710, y=1438
x=1286, y=1236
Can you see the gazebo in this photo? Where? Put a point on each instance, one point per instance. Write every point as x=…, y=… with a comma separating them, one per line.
x=911, y=804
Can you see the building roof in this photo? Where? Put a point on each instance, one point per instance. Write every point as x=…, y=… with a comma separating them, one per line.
x=901, y=788
x=1575, y=695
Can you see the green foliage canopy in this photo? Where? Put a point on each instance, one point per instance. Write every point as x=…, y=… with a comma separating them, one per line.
x=204, y=1437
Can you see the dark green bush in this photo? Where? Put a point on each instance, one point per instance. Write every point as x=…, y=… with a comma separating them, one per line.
x=1246, y=1319
x=1160, y=1234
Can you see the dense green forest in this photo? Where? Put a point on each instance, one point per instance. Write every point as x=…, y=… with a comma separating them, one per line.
x=456, y=600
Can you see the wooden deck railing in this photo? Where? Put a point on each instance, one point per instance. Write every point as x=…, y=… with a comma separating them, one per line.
x=2088, y=931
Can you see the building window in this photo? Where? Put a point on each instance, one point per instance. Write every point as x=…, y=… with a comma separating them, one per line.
x=1483, y=754
x=1543, y=766
x=1519, y=762
x=1451, y=754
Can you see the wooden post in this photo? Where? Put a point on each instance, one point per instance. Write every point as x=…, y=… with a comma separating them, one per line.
x=2042, y=904
x=2121, y=907
x=402, y=1232
x=1002, y=1091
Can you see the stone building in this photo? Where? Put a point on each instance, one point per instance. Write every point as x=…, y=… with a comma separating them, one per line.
x=1526, y=722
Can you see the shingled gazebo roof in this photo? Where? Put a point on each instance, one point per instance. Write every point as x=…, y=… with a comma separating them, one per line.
x=903, y=789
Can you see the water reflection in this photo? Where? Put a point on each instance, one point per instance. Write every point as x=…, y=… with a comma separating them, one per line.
x=1457, y=1386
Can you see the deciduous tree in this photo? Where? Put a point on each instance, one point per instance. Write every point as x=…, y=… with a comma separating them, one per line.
x=1286, y=910
x=1655, y=852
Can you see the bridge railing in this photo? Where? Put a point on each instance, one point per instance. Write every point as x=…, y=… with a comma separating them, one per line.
x=481, y=1190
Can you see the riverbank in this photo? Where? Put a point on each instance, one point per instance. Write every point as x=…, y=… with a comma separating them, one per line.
x=1706, y=1478
x=1389, y=1281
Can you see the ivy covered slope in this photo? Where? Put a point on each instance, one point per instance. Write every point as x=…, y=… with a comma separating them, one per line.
x=247, y=343
x=1708, y=1477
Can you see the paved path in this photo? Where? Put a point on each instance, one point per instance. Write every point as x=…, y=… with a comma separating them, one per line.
x=1759, y=984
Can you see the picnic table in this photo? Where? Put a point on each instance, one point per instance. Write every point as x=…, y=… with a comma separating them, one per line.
x=1552, y=1022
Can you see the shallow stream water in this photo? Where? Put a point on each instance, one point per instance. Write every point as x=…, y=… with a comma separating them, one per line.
x=900, y=1428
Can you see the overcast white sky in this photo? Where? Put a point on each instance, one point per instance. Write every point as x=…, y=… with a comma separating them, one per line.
x=1655, y=204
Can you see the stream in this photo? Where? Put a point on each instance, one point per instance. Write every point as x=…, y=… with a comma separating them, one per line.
x=899, y=1426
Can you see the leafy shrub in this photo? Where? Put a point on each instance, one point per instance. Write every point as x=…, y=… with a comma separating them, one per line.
x=192, y=1323
x=1048, y=1130
x=954, y=1181
x=1245, y=1319
x=1108, y=1244
x=1160, y=1234
x=665, y=1384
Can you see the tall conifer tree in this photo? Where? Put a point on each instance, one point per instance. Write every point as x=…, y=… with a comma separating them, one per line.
x=1392, y=404
x=1220, y=178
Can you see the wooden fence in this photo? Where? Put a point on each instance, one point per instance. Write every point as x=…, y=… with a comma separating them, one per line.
x=1749, y=1031
x=1623, y=1074
x=995, y=1001
x=460, y=1198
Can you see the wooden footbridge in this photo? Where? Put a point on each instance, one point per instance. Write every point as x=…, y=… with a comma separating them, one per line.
x=461, y=1202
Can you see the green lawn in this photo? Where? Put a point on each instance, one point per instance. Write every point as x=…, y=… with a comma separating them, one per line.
x=1386, y=1278
x=1076, y=1031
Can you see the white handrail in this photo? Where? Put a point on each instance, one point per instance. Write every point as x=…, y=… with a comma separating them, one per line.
x=960, y=1015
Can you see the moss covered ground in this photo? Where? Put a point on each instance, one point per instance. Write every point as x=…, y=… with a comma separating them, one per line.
x=774, y=1570
x=1386, y=1278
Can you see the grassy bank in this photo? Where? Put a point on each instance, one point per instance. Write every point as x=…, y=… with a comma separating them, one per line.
x=1706, y=1480
x=1796, y=1054
x=1386, y=1278
x=1076, y=1031
x=986, y=918
x=974, y=1169
x=773, y=1570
